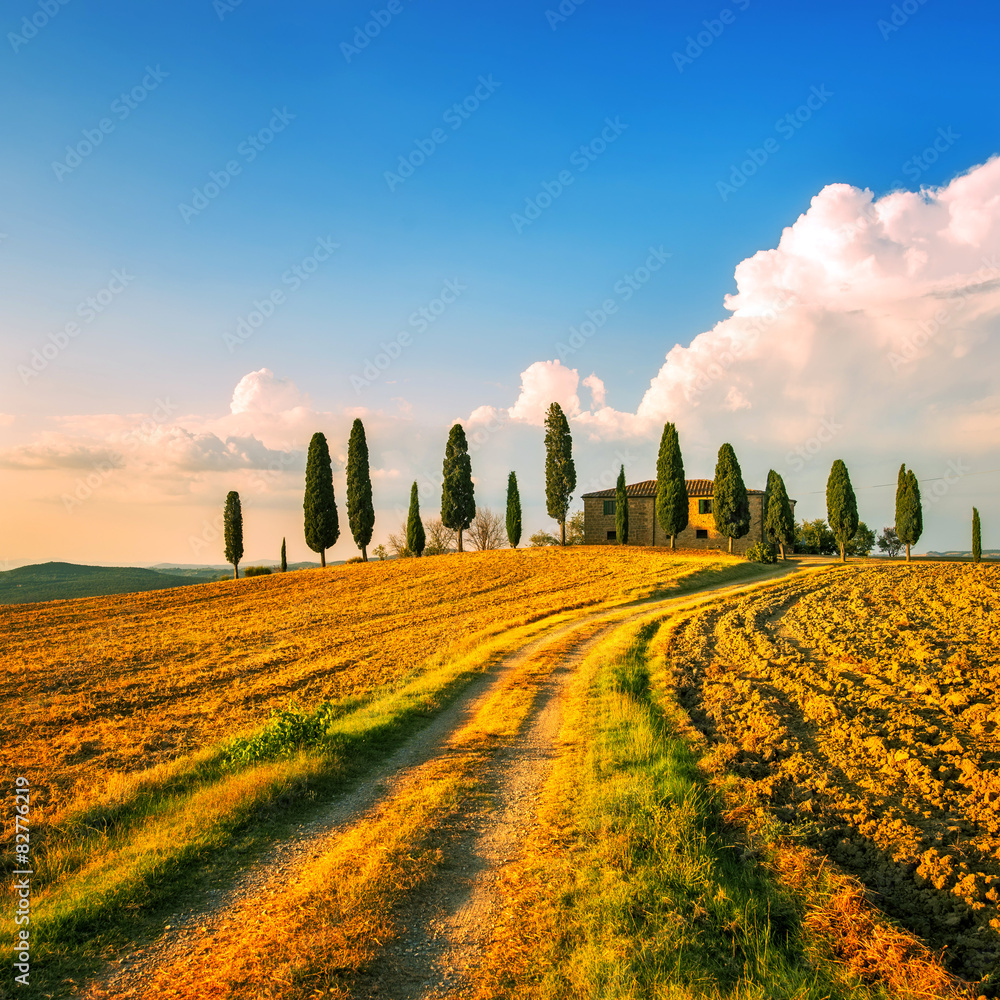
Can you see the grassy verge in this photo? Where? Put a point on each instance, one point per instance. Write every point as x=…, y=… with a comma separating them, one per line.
x=631, y=887
x=322, y=934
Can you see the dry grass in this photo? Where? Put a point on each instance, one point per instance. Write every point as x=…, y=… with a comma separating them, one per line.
x=105, y=687
x=319, y=934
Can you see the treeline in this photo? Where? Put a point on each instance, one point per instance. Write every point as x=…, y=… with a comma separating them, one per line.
x=843, y=532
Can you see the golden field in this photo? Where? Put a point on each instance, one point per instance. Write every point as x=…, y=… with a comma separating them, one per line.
x=117, y=684
x=859, y=708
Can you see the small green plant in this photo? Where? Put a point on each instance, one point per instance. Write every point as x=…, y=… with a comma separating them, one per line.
x=761, y=553
x=257, y=571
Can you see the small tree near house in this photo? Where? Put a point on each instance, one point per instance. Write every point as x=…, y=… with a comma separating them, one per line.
x=730, y=502
x=779, y=523
x=671, y=487
x=621, y=509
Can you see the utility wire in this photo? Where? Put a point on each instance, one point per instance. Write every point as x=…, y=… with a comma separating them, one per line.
x=936, y=479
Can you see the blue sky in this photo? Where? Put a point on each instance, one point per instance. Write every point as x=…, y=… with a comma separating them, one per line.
x=220, y=75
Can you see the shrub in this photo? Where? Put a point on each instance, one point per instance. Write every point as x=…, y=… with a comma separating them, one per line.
x=354, y=559
x=257, y=571
x=761, y=553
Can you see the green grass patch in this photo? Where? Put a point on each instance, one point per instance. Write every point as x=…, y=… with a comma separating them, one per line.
x=640, y=892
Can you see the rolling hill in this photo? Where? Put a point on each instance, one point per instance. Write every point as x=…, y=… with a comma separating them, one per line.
x=55, y=581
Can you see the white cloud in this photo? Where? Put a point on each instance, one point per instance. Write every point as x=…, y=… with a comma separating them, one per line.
x=263, y=392
x=881, y=313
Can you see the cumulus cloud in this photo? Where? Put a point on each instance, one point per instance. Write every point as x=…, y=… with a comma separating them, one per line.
x=881, y=313
x=263, y=392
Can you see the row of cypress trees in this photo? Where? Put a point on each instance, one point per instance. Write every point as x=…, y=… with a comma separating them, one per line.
x=730, y=500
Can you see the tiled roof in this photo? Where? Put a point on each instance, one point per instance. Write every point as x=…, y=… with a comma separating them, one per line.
x=695, y=488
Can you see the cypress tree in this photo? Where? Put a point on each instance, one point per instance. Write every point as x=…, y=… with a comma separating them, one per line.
x=284, y=561
x=458, y=496
x=730, y=503
x=360, y=512
x=560, y=472
x=779, y=524
x=841, y=506
x=909, y=513
x=232, y=520
x=621, y=509
x=513, y=511
x=322, y=523
x=977, y=540
x=415, y=537
x=671, y=489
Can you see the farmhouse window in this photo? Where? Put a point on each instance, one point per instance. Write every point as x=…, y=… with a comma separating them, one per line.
x=612, y=536
x=704, y=507
x=609, y=506
x=701, y=532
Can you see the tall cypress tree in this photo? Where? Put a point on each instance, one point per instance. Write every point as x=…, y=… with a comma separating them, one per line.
x=513, y=511
x=779, y=523
x=360, y=511
x=671, y=488
x=730, y=503
x=560, y=471
x=232, y=521
x=415, y=537
x=322, y=523
x=284, y=561
x=841, y=506
x=909, y=513
x=977, y=539
x=458, y=495
x=621, y=509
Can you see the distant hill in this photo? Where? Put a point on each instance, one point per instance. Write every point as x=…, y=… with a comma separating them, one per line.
x=193, y=573
x=54, y=581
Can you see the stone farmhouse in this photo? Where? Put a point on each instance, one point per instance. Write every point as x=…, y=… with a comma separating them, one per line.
x=599, y=518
